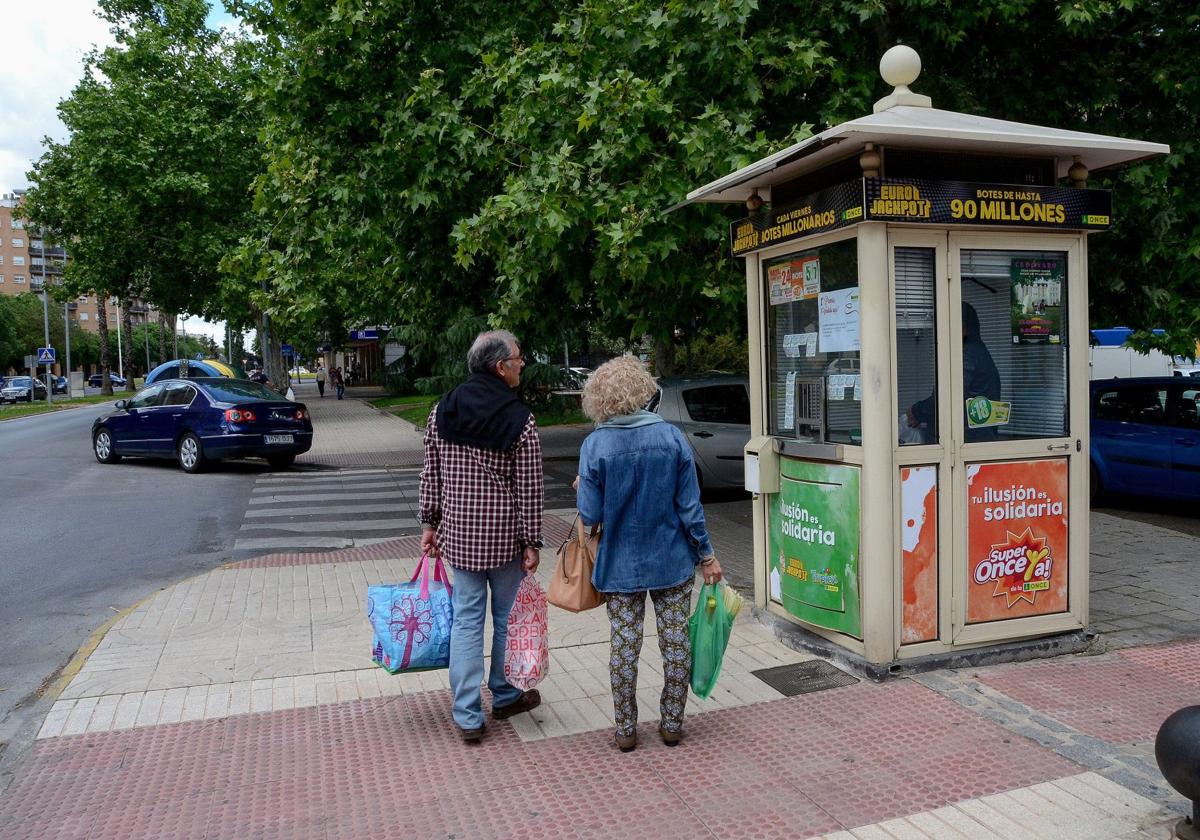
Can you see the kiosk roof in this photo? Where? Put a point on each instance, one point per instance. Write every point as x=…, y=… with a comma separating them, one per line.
x=915, y=127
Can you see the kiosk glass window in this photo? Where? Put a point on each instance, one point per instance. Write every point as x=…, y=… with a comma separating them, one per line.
x=916, y=345
x=1014, y=315
x=814, y=384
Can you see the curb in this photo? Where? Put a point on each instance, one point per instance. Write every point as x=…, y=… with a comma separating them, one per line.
x=80, y=658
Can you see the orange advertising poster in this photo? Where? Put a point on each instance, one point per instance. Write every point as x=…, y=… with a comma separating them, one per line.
x=1016, y=539
x=918, y=492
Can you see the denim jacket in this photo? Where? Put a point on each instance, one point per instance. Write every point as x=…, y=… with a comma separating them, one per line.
x=637, y=477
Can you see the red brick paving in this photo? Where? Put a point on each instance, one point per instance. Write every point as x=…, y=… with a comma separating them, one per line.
x=394, y=767
x=1122, y=698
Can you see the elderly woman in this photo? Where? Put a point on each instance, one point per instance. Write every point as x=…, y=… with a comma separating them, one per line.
x=637, y=479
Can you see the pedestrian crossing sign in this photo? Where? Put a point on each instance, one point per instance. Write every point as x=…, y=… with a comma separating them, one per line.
x=45, y=356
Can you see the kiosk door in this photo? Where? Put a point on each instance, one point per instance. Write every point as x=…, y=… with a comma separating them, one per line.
x=991, y=387
x=1017, y=420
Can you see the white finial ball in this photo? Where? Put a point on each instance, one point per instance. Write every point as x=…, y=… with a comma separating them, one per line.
x=900, y=66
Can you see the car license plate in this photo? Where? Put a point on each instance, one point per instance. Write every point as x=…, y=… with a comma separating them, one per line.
x=279, y=438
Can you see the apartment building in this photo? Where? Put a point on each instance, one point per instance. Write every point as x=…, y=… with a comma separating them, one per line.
x=27, y=260
x=14, y=249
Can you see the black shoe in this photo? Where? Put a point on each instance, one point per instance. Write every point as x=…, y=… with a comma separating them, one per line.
x=671, y=739
x=472, y=736
x=529, y=700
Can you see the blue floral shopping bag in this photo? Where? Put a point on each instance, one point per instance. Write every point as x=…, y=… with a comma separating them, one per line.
x=412, y=620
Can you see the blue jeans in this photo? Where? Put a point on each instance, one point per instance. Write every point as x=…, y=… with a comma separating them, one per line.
x=466, y=639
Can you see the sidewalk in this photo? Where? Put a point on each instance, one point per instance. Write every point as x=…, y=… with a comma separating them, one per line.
x=243, y=703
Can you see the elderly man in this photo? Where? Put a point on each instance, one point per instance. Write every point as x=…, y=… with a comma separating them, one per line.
x=481, y=508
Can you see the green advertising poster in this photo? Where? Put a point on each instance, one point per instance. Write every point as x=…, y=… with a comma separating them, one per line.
x=814, y=542
x=1037, y=297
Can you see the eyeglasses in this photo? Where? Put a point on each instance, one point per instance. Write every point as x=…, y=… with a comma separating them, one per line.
x=520, y=359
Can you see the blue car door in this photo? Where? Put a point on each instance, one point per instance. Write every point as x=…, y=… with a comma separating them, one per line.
x=1186, y=443
x=145, y=421
x=1132, y=437
x=176, y=406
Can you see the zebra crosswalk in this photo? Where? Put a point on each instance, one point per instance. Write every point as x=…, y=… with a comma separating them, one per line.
x=348, y=508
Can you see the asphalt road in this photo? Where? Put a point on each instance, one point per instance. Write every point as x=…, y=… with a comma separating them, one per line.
x=80, y=540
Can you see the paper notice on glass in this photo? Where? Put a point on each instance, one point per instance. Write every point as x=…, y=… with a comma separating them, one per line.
x=810, y=341
x=839, y=320
x=791, y=344
x=858, y=387
x=789, y=401
x=840, y=384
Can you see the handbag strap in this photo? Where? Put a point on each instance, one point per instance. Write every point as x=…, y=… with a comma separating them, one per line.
x=422, y=571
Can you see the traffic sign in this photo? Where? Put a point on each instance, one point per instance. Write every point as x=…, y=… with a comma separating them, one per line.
x=286, y=350
x=45, y=356
x=30, y=361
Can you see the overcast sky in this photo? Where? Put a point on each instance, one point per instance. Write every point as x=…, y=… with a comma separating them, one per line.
x=44, y=47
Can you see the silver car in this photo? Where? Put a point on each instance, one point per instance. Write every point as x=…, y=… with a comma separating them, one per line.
x=713, y=412
x=22, y=388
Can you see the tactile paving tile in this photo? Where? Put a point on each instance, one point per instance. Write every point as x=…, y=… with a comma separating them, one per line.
x=1121, y=699
x=554, y=531
x=395, y=767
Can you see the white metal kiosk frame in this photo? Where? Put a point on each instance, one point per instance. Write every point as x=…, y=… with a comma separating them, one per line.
x=917, y=305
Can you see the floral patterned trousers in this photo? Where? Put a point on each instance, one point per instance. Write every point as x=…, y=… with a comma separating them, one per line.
x=626, y=616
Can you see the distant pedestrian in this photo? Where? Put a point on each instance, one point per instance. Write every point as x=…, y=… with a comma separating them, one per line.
x=321, y=380
x=481, y=508
x=637, y=480
x=339, y=382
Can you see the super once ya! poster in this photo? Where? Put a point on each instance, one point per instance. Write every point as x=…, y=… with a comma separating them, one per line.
x=814, y=544
x=1017, y=539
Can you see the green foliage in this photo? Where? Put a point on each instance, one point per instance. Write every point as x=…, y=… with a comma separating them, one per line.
x=22, y=331
x=457, y=165
x=151, y=188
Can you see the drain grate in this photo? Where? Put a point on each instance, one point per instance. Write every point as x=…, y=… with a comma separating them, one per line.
x=804, y=677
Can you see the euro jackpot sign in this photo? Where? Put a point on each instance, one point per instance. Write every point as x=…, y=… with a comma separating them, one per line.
x=824, y=211
x=999, y=205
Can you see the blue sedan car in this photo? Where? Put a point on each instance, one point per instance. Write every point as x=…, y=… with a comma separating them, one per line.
x=196, y=421
x=1146, y=437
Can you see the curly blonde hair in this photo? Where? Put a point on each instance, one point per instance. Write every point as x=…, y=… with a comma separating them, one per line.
x=620, y=386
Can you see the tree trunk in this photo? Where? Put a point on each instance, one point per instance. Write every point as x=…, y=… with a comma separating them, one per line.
x=664, y=356
x=270, y=350
x=162, y=337
x=106, y=387
x=127, y=341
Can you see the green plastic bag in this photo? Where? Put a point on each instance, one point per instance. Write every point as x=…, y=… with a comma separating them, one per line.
x=709, y=629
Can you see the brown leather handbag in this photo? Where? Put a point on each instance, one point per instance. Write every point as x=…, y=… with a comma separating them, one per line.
x=571, y=586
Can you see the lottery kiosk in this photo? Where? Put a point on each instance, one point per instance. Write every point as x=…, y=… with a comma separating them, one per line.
x=917, y=301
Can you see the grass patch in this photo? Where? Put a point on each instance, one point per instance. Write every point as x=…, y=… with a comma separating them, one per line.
x=415, y=409
x=411, y=407
x=568, y=417
x=8, y=412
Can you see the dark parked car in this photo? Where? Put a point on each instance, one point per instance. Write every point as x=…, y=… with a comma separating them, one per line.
x=713, y=412
x=60, y=384
x=22, y=388
x=1146, y=437
x=197, y=421
x=117, y=381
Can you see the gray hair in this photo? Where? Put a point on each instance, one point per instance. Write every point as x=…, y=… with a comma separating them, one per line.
x=490, y=348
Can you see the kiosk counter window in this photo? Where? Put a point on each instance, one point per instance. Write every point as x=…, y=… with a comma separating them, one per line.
x=813, y=339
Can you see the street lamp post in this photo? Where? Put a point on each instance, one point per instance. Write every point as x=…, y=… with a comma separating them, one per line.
x=67, y=333
x=146, y=333
x=46, y=325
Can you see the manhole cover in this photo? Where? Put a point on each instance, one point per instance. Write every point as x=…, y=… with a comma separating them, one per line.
x=804, y=677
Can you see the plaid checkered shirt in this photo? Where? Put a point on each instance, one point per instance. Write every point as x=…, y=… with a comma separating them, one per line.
x=486, y=505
